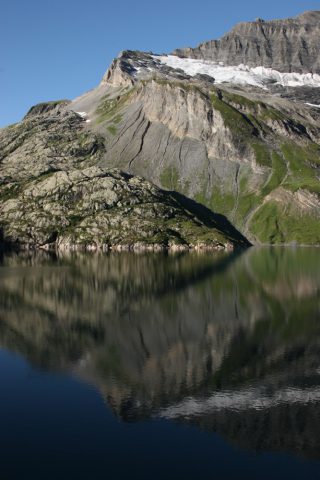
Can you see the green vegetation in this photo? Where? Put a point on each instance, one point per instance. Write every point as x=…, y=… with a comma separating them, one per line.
x=169, y=178
x=8, y=191
x=218, y=201
x=245, y=128
x=240, y=100
x=246, y=203
x=257, y=108
x=270, y=113
x=186, y=86
x=117, y=119
x=262, y=153
x=279, y=170
x=108, y=109
x=303, y=162
x=238, y=123
x=112, y=129
x=292, y=166
x=273, y=224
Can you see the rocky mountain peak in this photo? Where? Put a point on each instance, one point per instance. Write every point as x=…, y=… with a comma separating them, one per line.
x=310, y=16
x=46, y=107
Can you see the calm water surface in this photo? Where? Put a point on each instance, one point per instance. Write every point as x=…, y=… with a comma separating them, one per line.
x=160, y=366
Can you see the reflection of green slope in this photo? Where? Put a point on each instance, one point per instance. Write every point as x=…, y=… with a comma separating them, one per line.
x=271, y=348
x=280, y=338
x=152, y=330
x=158, y=327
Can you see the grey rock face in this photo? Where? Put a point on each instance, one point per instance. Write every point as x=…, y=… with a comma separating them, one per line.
x=46, y=107
x=131, y=66
x=50, y=138
x=52, y=195
x=233, y=149
x=290, y=45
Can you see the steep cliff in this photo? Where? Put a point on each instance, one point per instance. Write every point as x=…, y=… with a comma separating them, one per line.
x=249, y=153
x=290, y=45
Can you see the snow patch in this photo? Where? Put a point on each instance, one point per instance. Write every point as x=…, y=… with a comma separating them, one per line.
x=240, y=75
x=82, y=114
x=313, y=105
x=241, y=400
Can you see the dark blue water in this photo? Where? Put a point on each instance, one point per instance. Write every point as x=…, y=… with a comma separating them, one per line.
x=188, y=366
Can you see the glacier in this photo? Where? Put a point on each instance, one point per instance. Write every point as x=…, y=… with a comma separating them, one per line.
x=239, y=75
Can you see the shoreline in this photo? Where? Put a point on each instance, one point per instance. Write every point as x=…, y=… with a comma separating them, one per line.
x=135, y=247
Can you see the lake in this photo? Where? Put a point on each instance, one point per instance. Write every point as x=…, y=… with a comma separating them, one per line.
x=160, y=366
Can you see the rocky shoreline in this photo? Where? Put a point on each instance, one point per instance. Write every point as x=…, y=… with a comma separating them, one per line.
x=144, y=247
x=138, y=247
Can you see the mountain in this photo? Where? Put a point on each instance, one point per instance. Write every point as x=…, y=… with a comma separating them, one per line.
x=290, y=45
x=54, y=194
x=231, y=126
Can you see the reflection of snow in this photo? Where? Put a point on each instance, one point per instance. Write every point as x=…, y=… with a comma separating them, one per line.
x=241, y=75
x=241, y=400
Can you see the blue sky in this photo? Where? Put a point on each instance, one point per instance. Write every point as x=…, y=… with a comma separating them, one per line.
x=53, y=49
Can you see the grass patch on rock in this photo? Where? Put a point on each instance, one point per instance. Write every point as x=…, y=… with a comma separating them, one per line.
x=109, y=108
x=273, y=224
x=303, y=164
x=169, y=178
x=279, y=170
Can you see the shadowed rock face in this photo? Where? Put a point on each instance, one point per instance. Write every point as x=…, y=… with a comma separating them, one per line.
x=290, y=45
x=228, y=343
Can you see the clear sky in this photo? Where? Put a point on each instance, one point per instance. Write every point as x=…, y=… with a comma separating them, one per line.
x=53, y=49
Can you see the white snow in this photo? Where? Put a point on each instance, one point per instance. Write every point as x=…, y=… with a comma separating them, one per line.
x=313, y=105
x=137, y=70
x=82, y=114
x=240, y=75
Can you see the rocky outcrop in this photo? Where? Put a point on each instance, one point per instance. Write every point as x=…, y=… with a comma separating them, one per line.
x=50, y=138
x=52, y=196
x=97, y=208
x=46, y=107
x=290, y=45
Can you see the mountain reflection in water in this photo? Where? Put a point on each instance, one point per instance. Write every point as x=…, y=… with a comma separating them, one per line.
x=229, y=343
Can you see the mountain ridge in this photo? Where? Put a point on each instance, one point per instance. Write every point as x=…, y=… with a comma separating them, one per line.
x=267, y=43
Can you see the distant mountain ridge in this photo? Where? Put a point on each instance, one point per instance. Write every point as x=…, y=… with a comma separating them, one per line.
x=289, y=45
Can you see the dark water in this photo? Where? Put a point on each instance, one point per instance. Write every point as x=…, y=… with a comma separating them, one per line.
x=160, y=367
